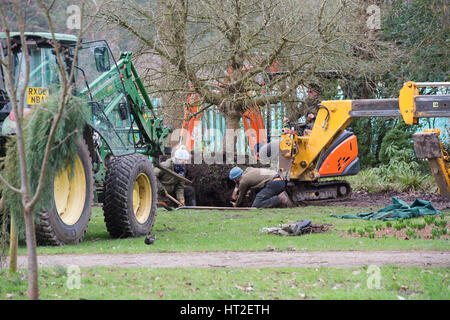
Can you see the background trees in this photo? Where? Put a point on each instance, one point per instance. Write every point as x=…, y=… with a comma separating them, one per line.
x=183, y=47
x=418, y=31
x=224, y=51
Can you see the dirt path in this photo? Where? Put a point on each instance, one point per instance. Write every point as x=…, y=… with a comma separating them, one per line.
x=248, y=259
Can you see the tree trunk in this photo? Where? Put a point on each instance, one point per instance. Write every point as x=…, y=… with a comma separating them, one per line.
x=13, y=244
x=172, y=38
x=232, y=133
x=33, y=288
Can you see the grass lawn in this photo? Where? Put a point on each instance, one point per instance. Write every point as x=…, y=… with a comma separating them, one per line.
x=215, y=230
x=190, y=230
x=234, y=283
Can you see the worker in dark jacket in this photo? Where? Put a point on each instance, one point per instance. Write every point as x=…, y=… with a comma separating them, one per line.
x=308, y=106
x=175, y=187
x=270, y=186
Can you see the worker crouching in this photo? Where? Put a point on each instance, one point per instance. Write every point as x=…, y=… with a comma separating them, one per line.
x=270, y=187
x=171, y=187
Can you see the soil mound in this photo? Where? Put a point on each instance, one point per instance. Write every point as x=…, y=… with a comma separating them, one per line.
x=382, y=199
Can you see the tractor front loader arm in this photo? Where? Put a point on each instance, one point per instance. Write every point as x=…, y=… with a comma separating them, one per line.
x=118, y=96
x=151, y=127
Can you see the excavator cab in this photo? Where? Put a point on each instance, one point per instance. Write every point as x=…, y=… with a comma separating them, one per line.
x=3, y=98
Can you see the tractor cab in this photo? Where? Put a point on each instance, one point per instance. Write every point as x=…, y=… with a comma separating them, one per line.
x=97, y=79
x=43, y=70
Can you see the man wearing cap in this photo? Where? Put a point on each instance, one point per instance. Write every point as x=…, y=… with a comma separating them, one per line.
x=175, y=187
x=308, y=107
x=313, y=99
x=270, y=186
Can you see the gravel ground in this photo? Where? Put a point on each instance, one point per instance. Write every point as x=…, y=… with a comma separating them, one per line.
x=341, y=259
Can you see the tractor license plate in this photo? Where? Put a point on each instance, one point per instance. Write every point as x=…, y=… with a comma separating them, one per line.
x=36, y=95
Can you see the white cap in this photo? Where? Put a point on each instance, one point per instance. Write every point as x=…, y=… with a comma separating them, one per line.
x=182, y=154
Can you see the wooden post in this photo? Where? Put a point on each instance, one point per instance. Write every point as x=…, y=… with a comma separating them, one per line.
x=13, y=245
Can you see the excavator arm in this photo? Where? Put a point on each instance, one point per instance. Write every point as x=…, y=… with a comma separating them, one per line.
x=299, y=154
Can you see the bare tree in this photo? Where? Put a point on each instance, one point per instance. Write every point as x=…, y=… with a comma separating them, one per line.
x=222, y=50
x=17, y=98
x=173, y=17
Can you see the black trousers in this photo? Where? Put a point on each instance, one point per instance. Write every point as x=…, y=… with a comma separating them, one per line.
x=268, y=196
x=189, y=196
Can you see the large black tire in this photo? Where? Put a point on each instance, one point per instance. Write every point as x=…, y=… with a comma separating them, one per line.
x=68, y=226
x=129, y=178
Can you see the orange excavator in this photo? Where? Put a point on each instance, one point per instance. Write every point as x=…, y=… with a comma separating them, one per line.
x=330, y=149
x=254, y=127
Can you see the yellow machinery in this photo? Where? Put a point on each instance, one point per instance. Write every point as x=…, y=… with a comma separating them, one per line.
x=301, y=156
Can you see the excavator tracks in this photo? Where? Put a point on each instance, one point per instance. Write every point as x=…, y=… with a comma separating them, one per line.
x=319, y=191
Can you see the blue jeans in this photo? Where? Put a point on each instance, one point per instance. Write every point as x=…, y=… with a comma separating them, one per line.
x=268, y=196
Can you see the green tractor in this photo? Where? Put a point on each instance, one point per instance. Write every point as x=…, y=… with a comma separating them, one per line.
x=112, y=164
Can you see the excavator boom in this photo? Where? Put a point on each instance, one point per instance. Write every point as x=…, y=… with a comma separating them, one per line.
x=300, y=154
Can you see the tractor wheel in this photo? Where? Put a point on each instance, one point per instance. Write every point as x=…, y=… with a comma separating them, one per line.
x=73, y=193
x=130, y=196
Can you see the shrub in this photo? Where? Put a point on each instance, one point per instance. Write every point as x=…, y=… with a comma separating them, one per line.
x=429, y=220
x=401, y=173
x=441, y=222
x=410, y=233
x=435, y=233
x=396, y=142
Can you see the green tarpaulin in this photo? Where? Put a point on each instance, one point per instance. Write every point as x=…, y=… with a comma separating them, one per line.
x=397, y=210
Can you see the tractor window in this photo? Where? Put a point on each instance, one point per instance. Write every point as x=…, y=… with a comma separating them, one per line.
x=99, y=80
x=43, y=68
x=86, y=63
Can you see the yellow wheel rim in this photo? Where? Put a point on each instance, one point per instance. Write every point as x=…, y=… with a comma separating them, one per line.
x=142, y=198
x=70, y=192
